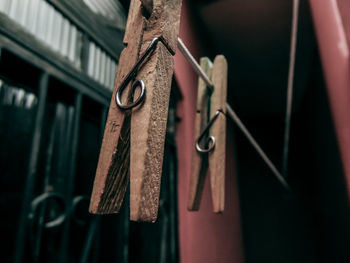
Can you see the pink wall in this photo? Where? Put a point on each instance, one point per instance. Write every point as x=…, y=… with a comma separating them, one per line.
x=204, y=236
x=334, y=50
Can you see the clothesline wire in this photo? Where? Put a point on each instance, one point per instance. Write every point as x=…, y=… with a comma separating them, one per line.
x=256, y=146
x=188, y=56
x=290, y=85
x=234, y=117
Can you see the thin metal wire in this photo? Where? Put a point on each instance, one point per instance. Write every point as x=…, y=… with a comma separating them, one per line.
x=188, y=56
x=288, y=117
x=211, y=140
x=256, y=146
x=233, y=115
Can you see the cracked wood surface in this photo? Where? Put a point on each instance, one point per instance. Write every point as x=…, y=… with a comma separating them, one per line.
x=145, y=125
x=112, y=174
x=148, y=124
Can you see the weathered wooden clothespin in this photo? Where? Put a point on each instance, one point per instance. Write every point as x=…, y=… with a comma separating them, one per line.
x=134, y=135
x=199, y=164
x=210, y=102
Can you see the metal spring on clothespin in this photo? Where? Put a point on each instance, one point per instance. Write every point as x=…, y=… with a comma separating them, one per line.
x=138, y=82
x=211, y=139
x=133, y=142
x=209, y=149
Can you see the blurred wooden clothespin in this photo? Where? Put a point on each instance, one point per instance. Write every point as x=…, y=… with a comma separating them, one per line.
x=211, y=102
x=134, y=135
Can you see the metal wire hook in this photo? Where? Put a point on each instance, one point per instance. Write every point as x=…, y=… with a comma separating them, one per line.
x=211, y=139
x=58, y=220
x=138, y=82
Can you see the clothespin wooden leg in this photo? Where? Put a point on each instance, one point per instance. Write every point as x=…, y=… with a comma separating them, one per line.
x=218, y=130
x=148, y=124
x=113, y=166
x=199, y=164
x=148, y=128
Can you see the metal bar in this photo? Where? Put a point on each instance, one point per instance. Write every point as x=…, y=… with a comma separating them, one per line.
x=167, y=210
x=91, y=60
x=103, y=68
x=85, y=54
x=95, y=221
x=108, y=72
x=73, y=44
x=2, y=91
x=104, y=113
x=126, y=226
x=64, y=41
x=32, y=168
x=50, y=24
x=71, y=174
x=293, y=44
x=164, y=238
x=256, y=146
x=97, y=63
x=97, y=239
x=173, y=208
x=48, y=167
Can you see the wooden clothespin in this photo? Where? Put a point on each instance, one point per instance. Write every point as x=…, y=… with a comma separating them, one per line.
x=199, y=164
x=134, y=135
x=213, y=154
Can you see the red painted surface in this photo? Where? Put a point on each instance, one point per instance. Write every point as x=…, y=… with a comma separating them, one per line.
x=204, y=236
x=334, y=51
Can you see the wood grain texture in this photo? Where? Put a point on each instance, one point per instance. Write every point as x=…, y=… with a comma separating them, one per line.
x=218, y=156
x=148, y=124
x=199, y=164
x=112, y=175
